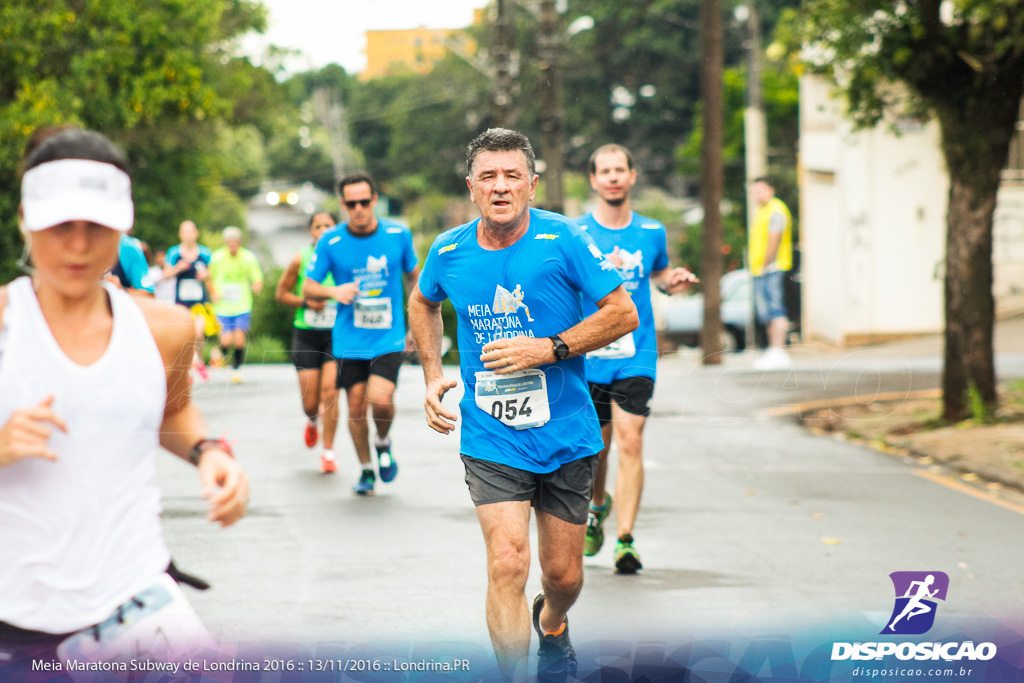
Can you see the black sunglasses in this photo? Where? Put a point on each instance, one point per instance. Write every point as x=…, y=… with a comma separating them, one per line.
x=361, y=202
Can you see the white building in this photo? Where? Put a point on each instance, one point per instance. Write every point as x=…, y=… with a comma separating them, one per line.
x=873, y=222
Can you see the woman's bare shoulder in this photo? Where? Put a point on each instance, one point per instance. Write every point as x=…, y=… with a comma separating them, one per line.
x=170, y=324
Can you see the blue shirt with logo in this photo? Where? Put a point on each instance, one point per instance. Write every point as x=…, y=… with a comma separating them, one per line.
x=376, y=262
x=642, y=250
x=187, y=286
x=534, y=288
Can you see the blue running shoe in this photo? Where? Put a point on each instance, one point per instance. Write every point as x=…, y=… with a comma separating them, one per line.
x=556, y=658
x=364, y=487
x=386, y=464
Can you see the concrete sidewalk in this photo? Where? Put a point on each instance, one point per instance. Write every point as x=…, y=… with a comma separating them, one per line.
x=897, y=383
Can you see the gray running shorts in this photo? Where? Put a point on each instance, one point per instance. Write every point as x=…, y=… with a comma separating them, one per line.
x=564, y=493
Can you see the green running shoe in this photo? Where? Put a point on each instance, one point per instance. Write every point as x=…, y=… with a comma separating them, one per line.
x=627, y=559
x=595, y=527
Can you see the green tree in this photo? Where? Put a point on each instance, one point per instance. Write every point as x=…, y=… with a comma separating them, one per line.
x=781, y=103
x=413, y=124
x=140, y=71
x=963, y=62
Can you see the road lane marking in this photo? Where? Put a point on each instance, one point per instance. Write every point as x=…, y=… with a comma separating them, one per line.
x=950, y=483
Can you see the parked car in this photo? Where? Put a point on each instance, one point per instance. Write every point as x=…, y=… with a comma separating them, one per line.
x=683, y=316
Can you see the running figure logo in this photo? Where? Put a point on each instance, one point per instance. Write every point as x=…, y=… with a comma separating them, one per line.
x=509, y=302
x=628, y=261
x=376, y=265
x=916, y=593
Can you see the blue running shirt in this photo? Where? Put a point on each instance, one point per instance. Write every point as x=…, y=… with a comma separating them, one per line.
x=534, y=288
x=373, y=324
x=131, y=268
x=642, y=250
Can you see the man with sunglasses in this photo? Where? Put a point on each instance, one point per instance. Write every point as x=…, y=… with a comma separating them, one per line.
x=367, y=257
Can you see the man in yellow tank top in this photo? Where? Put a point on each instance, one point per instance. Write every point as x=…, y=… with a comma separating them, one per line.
x=770, y=250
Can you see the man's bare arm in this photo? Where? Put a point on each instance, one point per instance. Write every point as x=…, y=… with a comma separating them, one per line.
x=615, y=316
x=427, y=328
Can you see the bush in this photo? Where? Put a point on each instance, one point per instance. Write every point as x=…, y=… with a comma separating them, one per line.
x=271, y=319
x=267, y=350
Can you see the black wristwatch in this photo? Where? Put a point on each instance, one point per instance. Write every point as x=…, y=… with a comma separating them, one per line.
x=561, y=348
x=204, y=445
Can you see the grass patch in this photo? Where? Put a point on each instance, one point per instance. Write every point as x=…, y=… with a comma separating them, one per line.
x=267, y=350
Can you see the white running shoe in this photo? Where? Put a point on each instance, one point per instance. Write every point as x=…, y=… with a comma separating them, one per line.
x=773, y=358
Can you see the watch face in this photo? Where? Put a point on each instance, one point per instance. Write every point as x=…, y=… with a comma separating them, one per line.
x=561, y=349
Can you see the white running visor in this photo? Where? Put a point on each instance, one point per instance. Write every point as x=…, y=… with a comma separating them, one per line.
x=77, y=189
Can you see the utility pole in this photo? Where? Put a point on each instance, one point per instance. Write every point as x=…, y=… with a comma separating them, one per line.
x=501, y=102
x=712, y=178
x=755, y=137
x=330, y=110
x=755, y=129
x=549, y=40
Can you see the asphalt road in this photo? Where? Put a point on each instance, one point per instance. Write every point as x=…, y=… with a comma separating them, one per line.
x=749, y=523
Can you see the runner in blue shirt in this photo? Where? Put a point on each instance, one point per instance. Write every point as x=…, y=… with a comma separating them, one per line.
x=517, y=277
x=622, y=374
x=367, y=257
x=188, y=265
x=131, y=268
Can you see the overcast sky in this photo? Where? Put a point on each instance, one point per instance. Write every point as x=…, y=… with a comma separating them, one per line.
x=334, y=30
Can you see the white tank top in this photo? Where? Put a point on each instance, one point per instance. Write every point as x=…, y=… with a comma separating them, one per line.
x=82, y=535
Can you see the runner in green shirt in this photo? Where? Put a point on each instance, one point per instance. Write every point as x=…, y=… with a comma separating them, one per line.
x=311, y=344
x=234, y=277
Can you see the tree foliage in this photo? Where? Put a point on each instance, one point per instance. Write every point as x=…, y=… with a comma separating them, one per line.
x=140, y=71
x=963, y=62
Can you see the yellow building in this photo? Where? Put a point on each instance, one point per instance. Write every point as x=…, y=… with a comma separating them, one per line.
x=416, y=50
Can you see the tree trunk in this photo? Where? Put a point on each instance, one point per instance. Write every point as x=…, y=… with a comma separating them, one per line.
x=977, y=106
x=969, y=305
x=974, y=172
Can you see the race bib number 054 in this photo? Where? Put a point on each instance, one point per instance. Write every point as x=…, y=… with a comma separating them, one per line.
x=519, y=399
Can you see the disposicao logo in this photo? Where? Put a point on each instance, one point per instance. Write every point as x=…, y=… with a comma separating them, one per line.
x=916, y=595
x=913, y=613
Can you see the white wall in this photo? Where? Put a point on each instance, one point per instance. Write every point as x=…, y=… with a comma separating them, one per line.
x=872, y=223
x=1008, y=248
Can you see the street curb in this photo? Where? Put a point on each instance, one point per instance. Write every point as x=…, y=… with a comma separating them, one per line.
x=977, y=471
x=799, y=408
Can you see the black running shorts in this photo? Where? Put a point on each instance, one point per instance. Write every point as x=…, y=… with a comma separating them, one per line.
x=564, y=493
x=311, y=349
x=633, y=394
x=352, y=371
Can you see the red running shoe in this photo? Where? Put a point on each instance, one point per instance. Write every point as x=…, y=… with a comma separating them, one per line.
x=202, y=370
x=312, y=435
x=328, y=463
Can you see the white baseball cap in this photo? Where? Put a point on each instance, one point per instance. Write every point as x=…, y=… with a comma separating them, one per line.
x=76, y=189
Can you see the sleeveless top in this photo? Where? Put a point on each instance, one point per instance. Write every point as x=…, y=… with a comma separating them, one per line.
x=759, y=236
x=301, y=315
x=82, y=535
